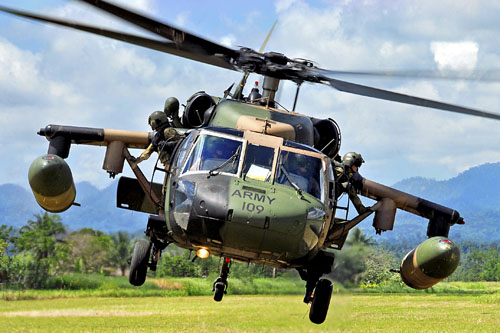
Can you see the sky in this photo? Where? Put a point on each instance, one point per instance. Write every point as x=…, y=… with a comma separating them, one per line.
x=52, y=75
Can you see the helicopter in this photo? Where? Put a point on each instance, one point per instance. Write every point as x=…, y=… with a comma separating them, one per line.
x=233, y=188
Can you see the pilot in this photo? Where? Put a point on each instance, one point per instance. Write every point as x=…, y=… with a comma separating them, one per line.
x=349, y=180
x=301, y=173
x=164, y=140
x=306, y=171
x=213, y=153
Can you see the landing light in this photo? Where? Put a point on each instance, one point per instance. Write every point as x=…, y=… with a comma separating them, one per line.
x=202, y=253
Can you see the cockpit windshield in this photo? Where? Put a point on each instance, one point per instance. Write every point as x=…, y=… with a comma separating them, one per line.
x=215, y=154
x=300, y=171
x=258, y=162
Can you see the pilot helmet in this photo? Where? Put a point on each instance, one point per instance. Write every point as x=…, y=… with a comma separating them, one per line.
x=157, y=119
x=353, y=158
x=171, y=106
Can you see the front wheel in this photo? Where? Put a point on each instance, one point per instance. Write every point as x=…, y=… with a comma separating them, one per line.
x=139, y=263
x=321, y=301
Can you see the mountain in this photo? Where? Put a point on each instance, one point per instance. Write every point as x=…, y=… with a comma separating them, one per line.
x=475, y=193
x=475, y=189
x=17, y=205
x=98, y=209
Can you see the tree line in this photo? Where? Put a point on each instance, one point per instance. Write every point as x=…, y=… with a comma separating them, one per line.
x=44, y=248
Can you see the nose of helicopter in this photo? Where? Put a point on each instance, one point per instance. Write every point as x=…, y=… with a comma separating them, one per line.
x=255, y=216
x=211, y=200
x=249, y=215
x=201, y=207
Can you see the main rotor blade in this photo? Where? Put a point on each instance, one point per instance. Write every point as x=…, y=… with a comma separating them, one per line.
x=358, y=89
x=472, y=75
x=178, y=36
x=263, y=46
x=239, y=89
x=163, y=46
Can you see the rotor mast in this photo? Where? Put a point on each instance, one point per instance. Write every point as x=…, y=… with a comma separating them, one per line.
x=269, y=89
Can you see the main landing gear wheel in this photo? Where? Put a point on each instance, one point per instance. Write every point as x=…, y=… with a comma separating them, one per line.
x=220, y=284
x=321, y=301
x=139, y=263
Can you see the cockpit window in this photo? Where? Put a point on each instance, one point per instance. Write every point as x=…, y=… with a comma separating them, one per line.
x=184, y=149
x=215, y=154
x=258, y=162
x=300, y=171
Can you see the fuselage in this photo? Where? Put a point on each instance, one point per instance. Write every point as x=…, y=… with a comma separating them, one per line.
x=248, y=196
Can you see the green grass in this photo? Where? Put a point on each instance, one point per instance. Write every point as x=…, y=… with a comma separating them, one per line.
x=80, y=285
x=348, y=312
x=454, y=287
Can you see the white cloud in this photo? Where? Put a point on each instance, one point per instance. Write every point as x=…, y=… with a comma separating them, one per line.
x=455, y=55
x=17, y=68
x=22, y=82
x=282, y=5
x=390, y=50
x=377, y=35
x=228, y=40
x=56, y=75
x=145, y=5
x=461, y=163
x=182, y=18
x=135, y=65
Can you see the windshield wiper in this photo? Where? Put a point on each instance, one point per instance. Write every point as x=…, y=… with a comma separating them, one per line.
x=287, y=176
x=215, y=171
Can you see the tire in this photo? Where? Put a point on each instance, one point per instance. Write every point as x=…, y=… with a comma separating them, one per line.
x=219, y=291
x=321, y=301
x=139, y=263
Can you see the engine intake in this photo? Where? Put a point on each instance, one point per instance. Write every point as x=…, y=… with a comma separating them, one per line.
x=327, y=137
x=197, y=112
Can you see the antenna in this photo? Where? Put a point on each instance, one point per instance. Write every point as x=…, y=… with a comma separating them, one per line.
x=296, y=96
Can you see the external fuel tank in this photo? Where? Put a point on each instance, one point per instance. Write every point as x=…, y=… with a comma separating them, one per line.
x=52, y=183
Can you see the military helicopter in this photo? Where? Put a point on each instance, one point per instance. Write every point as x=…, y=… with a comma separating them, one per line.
x=247, y=181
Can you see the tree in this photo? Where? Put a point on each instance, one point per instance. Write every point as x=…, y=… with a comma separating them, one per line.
x=491, y=268
x=479, y=262
x=121, y=251
x=360, y=261
x=350, y=264
x=357, y=237
x=12, y=265
x=379, y=262
x=177, y=266
x=89, y=250
x=41, y=240
x=5, y=238
x=4, y=259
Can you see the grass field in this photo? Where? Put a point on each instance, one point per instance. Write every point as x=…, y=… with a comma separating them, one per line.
x=348, y=312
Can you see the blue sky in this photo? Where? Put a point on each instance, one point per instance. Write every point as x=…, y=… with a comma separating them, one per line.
x=54, y=75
